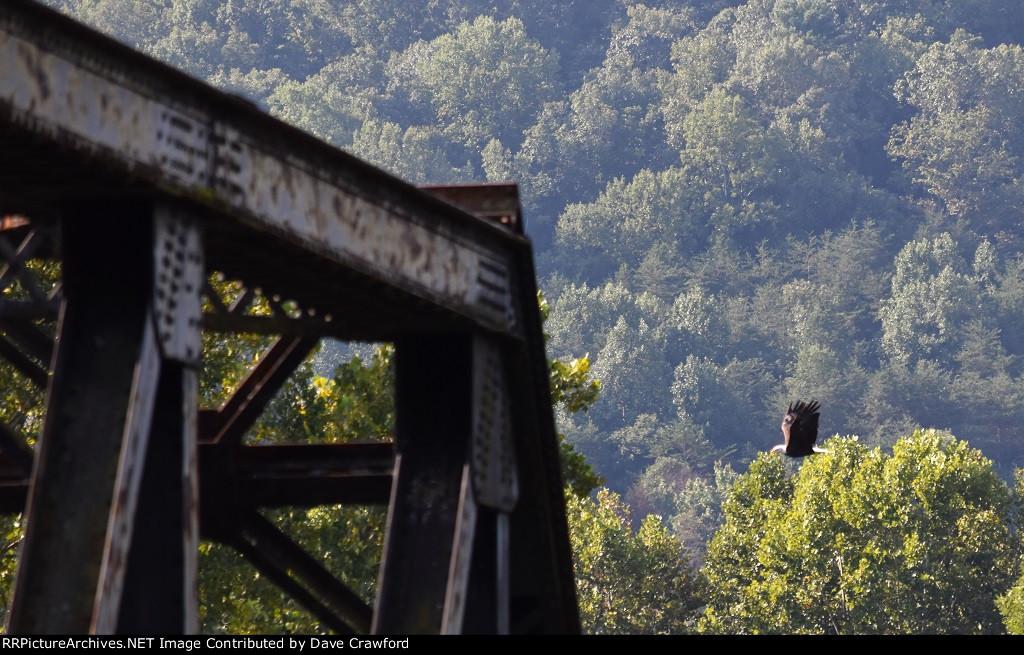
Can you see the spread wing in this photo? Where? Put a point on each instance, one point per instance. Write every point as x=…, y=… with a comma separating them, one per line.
x=800, y=427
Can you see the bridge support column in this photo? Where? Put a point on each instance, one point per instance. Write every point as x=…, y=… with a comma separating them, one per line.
x=111, y=534
x=433, y=402
x=446, y=553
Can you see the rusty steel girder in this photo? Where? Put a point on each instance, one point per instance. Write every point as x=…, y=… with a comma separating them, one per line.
x=142, y=182
x=222, y=153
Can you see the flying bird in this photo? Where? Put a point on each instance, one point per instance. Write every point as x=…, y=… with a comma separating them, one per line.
x=800, y=427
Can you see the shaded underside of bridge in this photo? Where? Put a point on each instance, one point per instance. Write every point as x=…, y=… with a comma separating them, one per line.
x=143, y=184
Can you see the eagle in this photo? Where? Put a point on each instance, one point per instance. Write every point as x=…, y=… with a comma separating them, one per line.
x=800, y=427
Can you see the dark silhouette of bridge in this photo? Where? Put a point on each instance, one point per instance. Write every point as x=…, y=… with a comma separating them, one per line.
x=143, y=182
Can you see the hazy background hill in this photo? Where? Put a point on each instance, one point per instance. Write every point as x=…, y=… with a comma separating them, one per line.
x=733, y=204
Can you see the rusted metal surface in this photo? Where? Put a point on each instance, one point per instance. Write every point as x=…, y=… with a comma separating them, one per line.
x=102, y=99
x=454, y=612
x=245, y=405
x=493, y=461
x=306, y=475
x=178, y=276
x=132, y=461
x=73, y=482
x=244, y=316
x=497, y=201
x=265, y=537
x=277, y=572
x=148, y=583
x=433, y=424
x=190, y=533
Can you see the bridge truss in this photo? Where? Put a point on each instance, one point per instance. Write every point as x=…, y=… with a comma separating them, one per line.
x=140, y=183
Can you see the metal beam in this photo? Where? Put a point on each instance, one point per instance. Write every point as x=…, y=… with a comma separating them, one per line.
x=488, y=590
x=266, y=538
x=107, y=269
x=30, y=338
x=542, y=597
x=433, y=421
x=16, y=259
x=154, y=125
x=243, y=408
x=112, y=513
x=149, y=580
x=307, y=475
x=278, y=574
x=24, y=364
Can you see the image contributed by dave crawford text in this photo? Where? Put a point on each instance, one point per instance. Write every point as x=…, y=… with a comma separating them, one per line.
x=301, y=643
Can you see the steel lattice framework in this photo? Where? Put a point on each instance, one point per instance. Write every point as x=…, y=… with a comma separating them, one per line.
x=141, y=182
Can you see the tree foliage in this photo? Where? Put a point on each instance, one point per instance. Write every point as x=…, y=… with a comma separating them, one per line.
x=629, y=582
x=860, y=542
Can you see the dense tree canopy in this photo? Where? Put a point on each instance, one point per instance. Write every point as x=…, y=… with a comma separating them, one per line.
x=629, y=583
x=863, y=542
x=734, y=203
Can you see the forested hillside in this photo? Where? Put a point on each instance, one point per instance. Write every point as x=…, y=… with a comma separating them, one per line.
x=733, y=204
